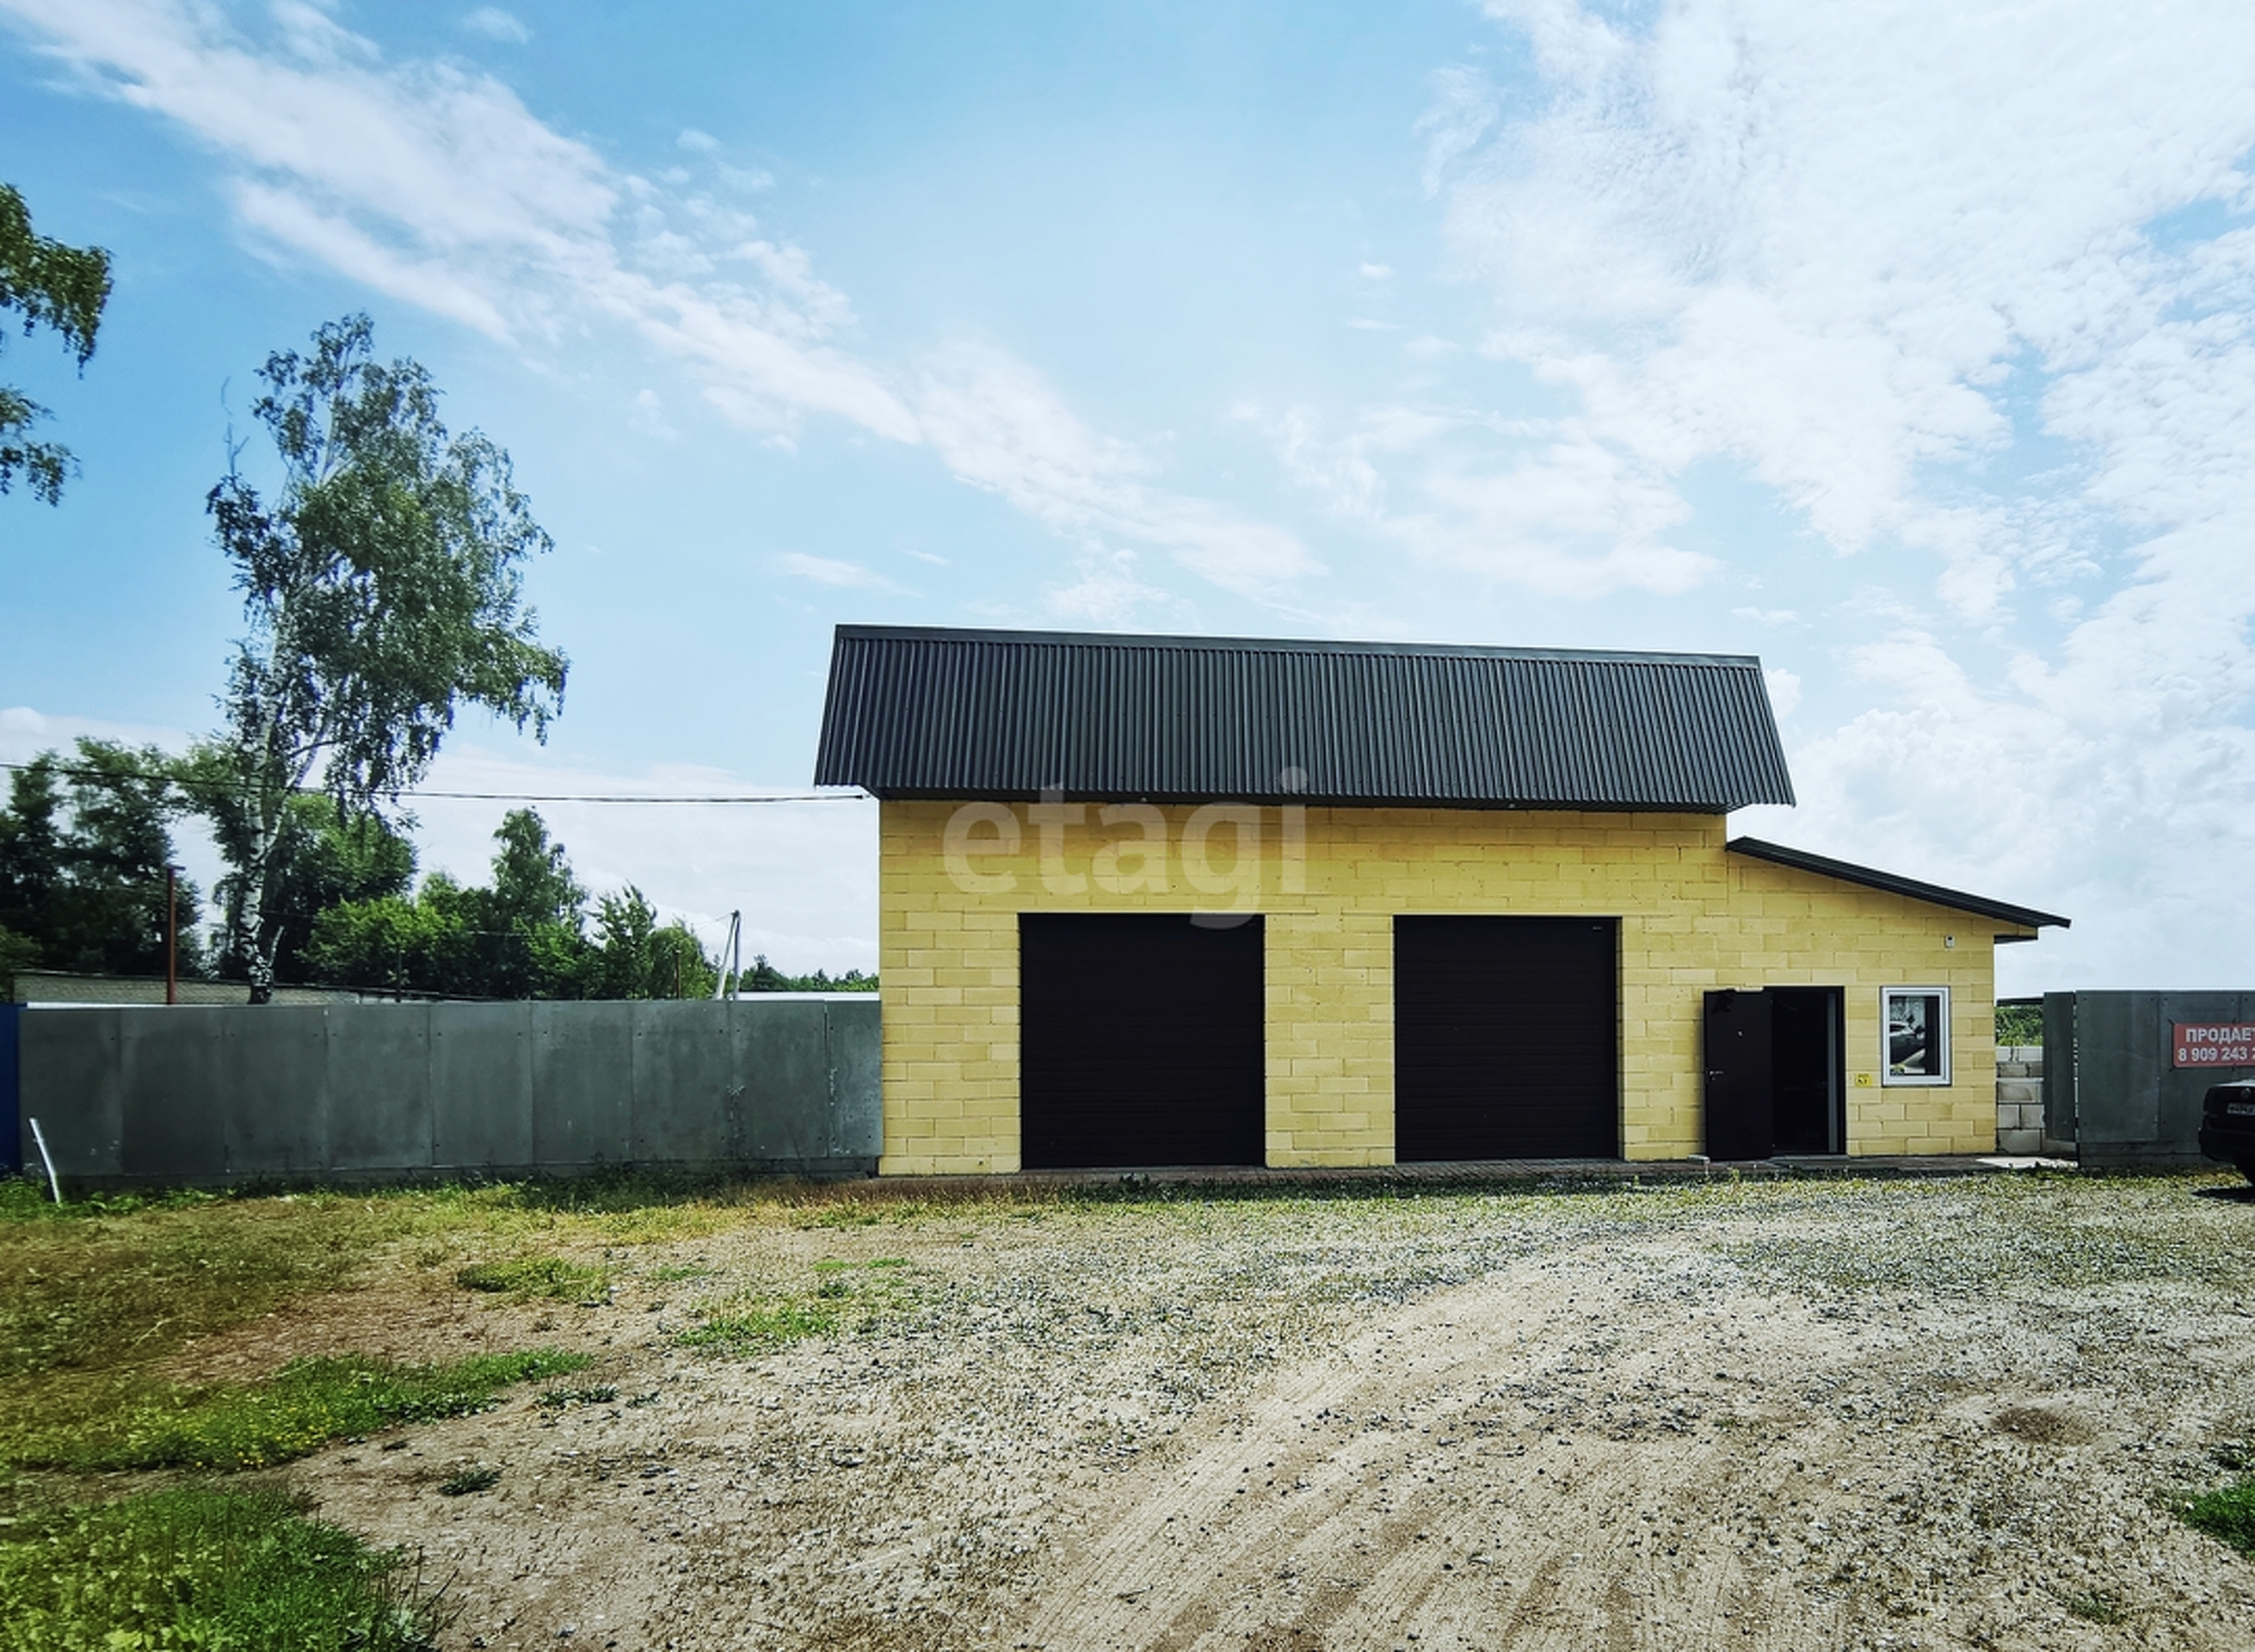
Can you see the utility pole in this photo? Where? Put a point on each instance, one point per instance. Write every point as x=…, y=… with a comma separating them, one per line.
x=172, y=934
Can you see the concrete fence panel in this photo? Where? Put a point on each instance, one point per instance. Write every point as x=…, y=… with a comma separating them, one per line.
x=789, y=1052
x=275, y=1088
x=208, y=1096
x=688, y=1092
x=72, y=1084
x=481, y=1086
x=378, y=1088
x=857, y=1058
x=169, y=1074
x=583, y=1083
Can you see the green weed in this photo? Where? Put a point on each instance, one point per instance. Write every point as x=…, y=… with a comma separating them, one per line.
x=2227, y=1515
x=557, y=1399
x=754, y=1322
x=301, y=1406
x=2096, y=1605
x=553, y=1277
x=764, y=1326
x=463, y=1481
x=196, y=1567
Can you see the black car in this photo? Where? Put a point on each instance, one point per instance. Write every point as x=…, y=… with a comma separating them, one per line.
x=2227, y=1125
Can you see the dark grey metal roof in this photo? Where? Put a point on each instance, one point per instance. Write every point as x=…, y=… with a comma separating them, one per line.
x=916, y=713
x=1871, y=878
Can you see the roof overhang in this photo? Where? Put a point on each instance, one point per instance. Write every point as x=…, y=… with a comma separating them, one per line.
x=1894, y=883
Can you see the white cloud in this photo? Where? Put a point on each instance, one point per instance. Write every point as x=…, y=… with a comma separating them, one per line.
x=1463, y=108
x=648, y=417
x=497, y=24
x=1540, y=504
x=696, y=142
x=1784, y=690
x=1888, y=261
x=433, y=183
x=999, y=425
x=832, y=571
x=1107, y=593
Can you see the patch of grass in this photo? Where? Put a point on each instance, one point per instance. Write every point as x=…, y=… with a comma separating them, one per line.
x=762, y=1327
x=2227, y=1514
x=464, y=1482
x=301, y=1406
x=557, y=1399
x=846, y=1211
x=88, y=1289
x=558, y=1277
x=755, y=1322
x=2096, y=1605
x=198, y=1566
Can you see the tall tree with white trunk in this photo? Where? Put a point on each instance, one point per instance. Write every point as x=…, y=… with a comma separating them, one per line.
x=382, y=588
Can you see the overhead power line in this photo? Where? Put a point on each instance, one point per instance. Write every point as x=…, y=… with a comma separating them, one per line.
x=80, y=772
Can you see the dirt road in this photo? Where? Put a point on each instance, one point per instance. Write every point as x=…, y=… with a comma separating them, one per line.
x=1820, y=1415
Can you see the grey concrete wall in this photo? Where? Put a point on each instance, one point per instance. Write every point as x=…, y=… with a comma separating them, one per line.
x=2109, y=1084
x=197, y=1096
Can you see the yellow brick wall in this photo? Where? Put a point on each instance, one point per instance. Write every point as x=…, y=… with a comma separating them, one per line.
x=1329, y=883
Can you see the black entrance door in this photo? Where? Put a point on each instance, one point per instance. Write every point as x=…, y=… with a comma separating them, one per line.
x=1739, y=1124
x=1506, y=1038
x=1805, y=1069
x=1772, y=1062
x=1141, y=1041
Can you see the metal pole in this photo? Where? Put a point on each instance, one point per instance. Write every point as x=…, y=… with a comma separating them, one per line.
x=47, y=1158
x=172, y=934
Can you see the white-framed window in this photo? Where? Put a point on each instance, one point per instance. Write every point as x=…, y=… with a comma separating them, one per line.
x=1915, y=1034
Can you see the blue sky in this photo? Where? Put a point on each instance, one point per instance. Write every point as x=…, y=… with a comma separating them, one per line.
x=1904, y=345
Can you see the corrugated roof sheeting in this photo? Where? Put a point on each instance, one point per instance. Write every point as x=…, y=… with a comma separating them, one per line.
x=966, y=714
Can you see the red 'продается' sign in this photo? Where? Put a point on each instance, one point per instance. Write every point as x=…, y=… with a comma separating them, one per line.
x=2212, y=1043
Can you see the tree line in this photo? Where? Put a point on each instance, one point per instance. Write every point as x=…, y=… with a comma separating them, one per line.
x=85, y=843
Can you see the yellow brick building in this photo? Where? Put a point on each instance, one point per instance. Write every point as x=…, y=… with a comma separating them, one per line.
x=1167, y=901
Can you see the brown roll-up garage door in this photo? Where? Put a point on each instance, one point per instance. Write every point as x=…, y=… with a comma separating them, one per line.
x=1506, y=1037
x=1141, y=1041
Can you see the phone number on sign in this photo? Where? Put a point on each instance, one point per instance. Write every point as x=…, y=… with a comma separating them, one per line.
x=2212, y=1043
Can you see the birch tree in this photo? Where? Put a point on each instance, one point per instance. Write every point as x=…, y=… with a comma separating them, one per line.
x=52, y=285
x=383, y=591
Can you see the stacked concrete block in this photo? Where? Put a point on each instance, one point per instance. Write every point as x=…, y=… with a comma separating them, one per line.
x=2020, y=1099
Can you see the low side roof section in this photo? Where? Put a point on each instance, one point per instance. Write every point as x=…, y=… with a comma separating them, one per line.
x=1871, y=878
x=927, y=712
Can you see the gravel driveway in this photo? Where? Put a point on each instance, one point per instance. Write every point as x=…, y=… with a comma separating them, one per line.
x=1799, y=1415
